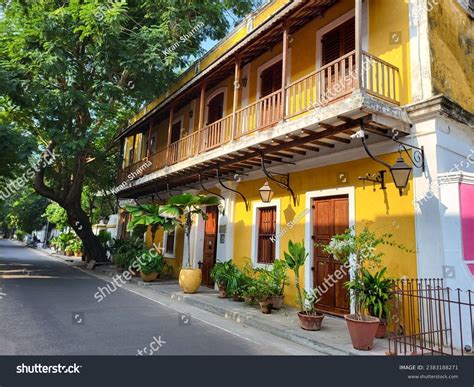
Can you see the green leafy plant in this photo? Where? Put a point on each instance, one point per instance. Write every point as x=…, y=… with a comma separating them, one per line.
x=186, y=206
x=377, y=290
x=363, y=251
x=69, y=249
x=149, y=215
x=310, y=300
x=150, y=262
x=237, y=283
x=64, y=240
x=294, y=260
x=20, y=235
x=222, y=271
x=76, y=246
x=125, y=252
x=104, y=238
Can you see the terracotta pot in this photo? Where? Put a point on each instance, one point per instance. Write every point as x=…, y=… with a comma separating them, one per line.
x=311, y=322
x=135, y=272
x=222, y=291
x=78, y=254
x=148, y=277
x=277, y=302
x=362, y=331
x=266, y=306
x=237, y=298
x=190, y=280
x=381, y=330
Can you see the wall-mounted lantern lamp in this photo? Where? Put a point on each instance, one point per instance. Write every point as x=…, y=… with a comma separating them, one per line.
x=244, y=81
x=400, y=171
x=266, y=193
x=191, y=114
x=282, y=179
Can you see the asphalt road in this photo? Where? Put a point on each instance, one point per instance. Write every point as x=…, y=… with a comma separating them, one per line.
x=47, y=307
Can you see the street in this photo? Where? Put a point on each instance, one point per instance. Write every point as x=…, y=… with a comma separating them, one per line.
x=47, y=307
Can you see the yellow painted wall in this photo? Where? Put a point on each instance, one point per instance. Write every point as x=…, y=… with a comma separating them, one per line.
x=451, y=34
x=385, y=18
x=388, y=212
x=176, y=262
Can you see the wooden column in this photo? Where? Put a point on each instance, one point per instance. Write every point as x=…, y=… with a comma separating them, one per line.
x=358, y=42
x=284, y=67
x=202, y=105
x=237, y=86
x=148, y=140
x=170, y=126
x=134, y=153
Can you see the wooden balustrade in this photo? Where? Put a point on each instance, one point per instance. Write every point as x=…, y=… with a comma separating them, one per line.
x=259, y=115
x=182, y=149
x=380, y=78
x=215, y=134
x=327, y=84
x=158, y=159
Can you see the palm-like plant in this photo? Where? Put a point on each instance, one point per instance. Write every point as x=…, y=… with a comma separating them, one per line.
x=185, y=206
x=149, y=215
x=295, y=259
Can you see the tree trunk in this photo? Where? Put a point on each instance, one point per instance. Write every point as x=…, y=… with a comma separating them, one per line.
x=83, y=228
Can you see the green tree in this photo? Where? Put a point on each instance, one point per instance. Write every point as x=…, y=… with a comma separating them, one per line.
x=73, y=71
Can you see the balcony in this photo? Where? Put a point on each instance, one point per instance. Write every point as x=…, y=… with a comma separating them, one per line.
x=331, y=83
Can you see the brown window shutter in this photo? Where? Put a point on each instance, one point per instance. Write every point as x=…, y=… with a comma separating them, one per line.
x=271, y=79
x=266, y=232
x=338, y=42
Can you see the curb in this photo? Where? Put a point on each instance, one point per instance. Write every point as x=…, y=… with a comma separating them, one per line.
x=269, y=327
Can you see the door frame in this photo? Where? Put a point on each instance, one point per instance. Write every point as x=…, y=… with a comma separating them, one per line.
x=216, y=239
x=309, y=219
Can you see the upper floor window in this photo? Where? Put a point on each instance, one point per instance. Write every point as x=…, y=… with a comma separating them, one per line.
x=338, y=42
x=271, y=79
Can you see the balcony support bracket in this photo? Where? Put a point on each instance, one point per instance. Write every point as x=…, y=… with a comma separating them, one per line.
x=209, y=192
x=281, y=179
x=247, y=204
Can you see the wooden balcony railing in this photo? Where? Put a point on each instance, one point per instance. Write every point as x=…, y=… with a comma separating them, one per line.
x=215, y=134
x=380, y=78
x=323, y=86
x=183, y=148
x=331, y=82
x=259, y=115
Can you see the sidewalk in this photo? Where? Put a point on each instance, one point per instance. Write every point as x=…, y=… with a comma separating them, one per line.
x=332, y=339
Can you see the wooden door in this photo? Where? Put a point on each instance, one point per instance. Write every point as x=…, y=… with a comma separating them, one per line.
x=215, y=111
x=330, y=217
x=335, y=44
x=270, y=82
x=210, y=245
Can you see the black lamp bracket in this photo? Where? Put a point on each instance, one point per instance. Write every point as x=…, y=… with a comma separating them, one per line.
x=417, y=155
x=247, y=204
x=281, y=179
x=376, y=178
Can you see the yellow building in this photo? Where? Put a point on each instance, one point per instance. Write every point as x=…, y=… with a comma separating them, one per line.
x=313, y=97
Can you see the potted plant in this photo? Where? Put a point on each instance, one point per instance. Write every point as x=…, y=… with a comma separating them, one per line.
x=69, y=251
x=263, y=294
x=295, y=259
x=125, y=253
x=237, y=284
x=185, y=207
x=378, y=291
x=150, y=264
x=361, y=250
x=310, y=318
x=278, y=280
x=77, y=247
x=220, y=274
